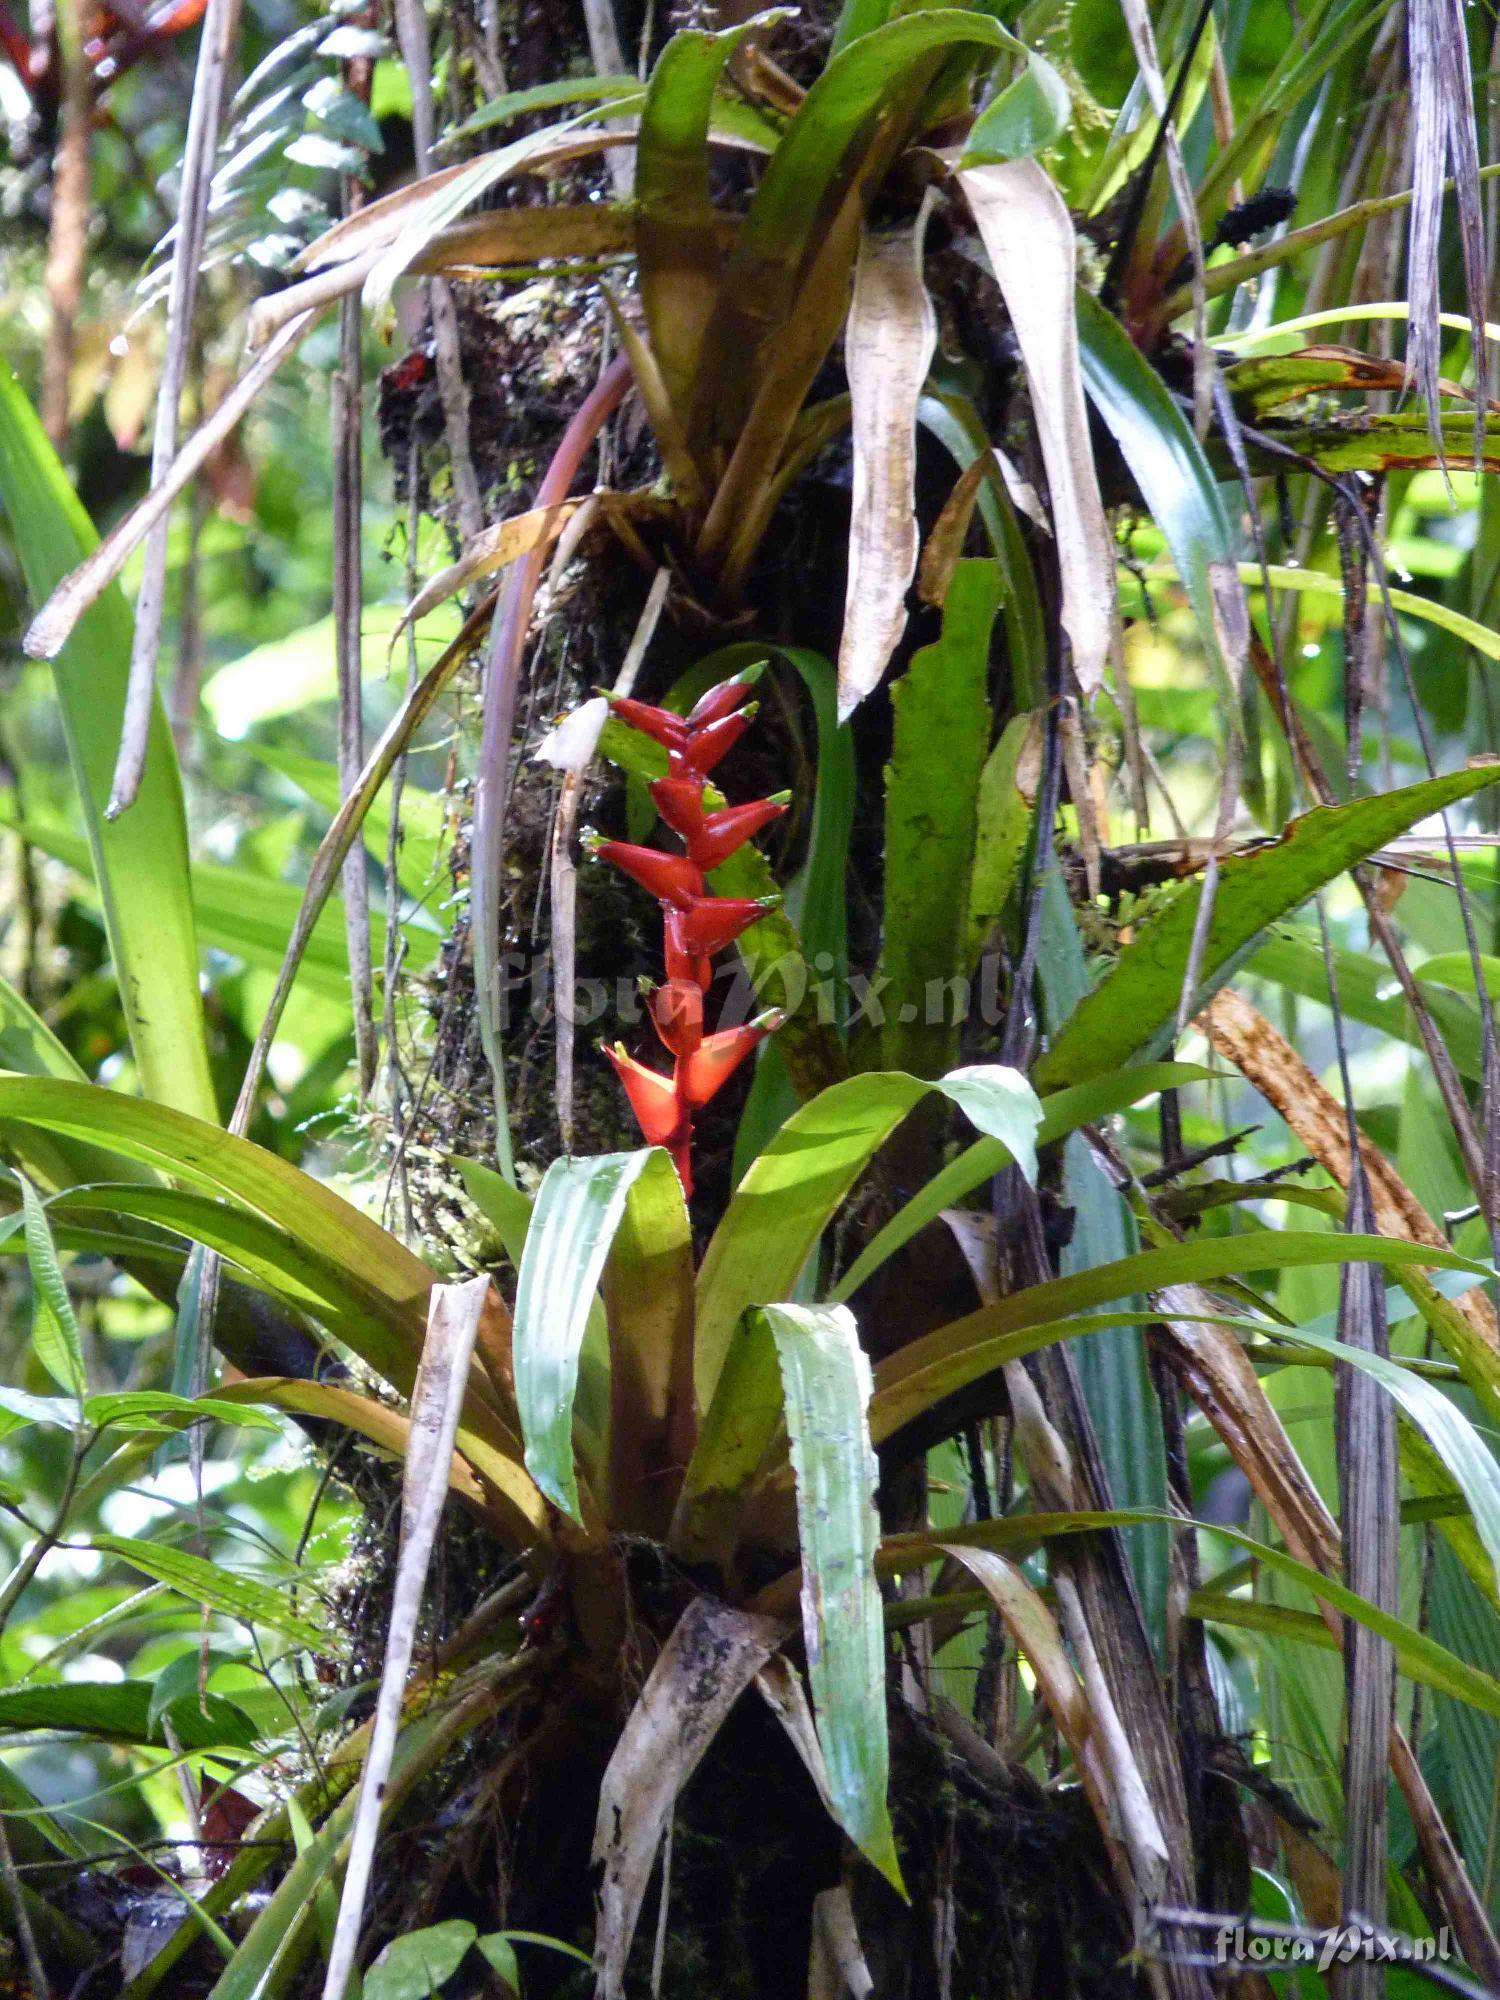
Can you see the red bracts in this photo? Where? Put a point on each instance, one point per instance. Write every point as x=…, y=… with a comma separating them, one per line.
x=670, y=878
x=716, y=1059
x=695, y=923
x=712, y=837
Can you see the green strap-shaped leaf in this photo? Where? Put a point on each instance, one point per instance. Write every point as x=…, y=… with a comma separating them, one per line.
x=54, y=1327
x=214, y=1162
x=578, y=1209
x=1289, y=959
x=120, y=1712
x=141, y=858
x=271, y=1256
x=1062, y=1113
x=942, y=731
x=825, y=1379
x=926, y=1370
x=506, y=1209
x=1452, y=1436
x=545, y=97
x=677, y=242
x=159, y=1409
x=1135, y=1004
x=1175, y=478
x=791, y=1191
x=885, y=71
x=225, y=1590
x=1422, y=1658
x=1026, y=117
x=648, y=1301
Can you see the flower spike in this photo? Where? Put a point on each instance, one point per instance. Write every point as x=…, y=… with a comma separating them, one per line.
x=695, y=923
x=704, y=747
x=677, y=1012
x=668, y=729
x=724, y=833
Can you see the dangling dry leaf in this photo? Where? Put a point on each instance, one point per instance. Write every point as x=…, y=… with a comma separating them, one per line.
x=836, y=1961
x=888, y=348
x=1266, y=1059
x=1035, y=1632
x=1029, y=236
x=1370, y=1516
x=490, y=551
x=711, y=1658
x=49, y=631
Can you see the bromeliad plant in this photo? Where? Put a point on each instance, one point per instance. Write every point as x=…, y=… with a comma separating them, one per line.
x=696, y=924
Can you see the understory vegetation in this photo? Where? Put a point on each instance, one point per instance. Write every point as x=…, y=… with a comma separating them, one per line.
x=749, y=929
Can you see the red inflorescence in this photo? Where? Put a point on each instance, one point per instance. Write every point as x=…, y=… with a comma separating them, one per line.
x=695, y=923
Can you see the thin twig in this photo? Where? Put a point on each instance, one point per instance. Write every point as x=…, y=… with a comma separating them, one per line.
x=36, y=1972
x=220, y=22
x=50, y=630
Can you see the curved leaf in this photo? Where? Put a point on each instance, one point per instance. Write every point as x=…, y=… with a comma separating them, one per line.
x=248, y=1598
x=1026, y=117
x=938, y=750
x=1423, y=1659
x=54, y=1328
x=678, y=244
x=839, y=121
x=792, y=1190
x=215, y=1162
x=1176, y=481
x=1135, y=1004
x=120, y=1712
x=1062, y=1113
x=923, y=1372
x=578, y=1209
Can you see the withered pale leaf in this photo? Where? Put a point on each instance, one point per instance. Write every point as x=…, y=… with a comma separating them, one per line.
x=888, y=348
x=780, y=1686
x=1028, y=234
x=713, y=1655
x=836, y=1961
x=1442, y=89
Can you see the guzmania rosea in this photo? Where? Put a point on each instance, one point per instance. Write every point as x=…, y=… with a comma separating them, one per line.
x=696, y=924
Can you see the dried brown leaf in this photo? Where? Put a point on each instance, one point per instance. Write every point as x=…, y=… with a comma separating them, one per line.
x=712, y=1656
x=1266, y=1059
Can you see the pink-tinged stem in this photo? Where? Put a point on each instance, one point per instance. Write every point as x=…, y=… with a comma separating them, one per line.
x=501, y=682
